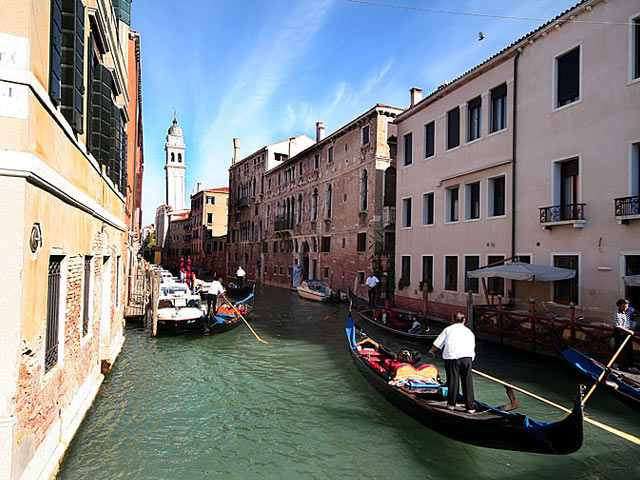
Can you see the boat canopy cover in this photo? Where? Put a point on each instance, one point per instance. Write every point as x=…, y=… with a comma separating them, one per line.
x=632, y=280
x=529, y=272
x=350, y=328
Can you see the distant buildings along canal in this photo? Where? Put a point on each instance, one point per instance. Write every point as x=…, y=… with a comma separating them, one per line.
x=529, y=155
x=71, y=164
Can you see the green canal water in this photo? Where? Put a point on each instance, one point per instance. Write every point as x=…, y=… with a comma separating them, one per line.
x=227, y=406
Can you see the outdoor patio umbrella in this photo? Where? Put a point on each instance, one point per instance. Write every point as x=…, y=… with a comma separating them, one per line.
x=632, y=280
x=528, y=272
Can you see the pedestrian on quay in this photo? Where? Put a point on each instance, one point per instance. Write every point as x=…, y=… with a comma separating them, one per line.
x=240, y=274
x=458, y=345
x=372, y=282
x=623, y=327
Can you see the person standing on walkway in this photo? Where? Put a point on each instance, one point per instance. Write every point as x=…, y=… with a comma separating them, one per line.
x=372, y=282
x=458, y=345
x=240, y=273
x=623, y=327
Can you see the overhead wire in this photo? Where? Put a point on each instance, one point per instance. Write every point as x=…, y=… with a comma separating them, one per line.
x=476, y=14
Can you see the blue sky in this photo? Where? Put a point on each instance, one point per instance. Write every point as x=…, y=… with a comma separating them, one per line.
x=265, y=70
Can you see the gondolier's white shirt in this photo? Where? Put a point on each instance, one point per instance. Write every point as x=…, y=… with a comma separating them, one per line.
x=216, y=288
x=372, y=281
x=456, y=341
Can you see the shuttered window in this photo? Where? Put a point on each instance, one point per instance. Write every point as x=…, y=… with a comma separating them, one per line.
x=122, y=9
x=72, y=63
x=429, y=139
x=453, y=128
x=101, y=106
x=55, y=51
x=568, y=77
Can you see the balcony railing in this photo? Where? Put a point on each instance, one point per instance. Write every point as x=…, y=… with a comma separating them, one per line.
x=243, y=202
x=388, y=215
x=562, y=213
x=627, y=206
x=283, y=223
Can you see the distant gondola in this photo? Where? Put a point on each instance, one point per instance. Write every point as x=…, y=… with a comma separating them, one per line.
x=239, y=292
x=397, y=322
x=625, y=386
x=488, y=427
x=225, y=318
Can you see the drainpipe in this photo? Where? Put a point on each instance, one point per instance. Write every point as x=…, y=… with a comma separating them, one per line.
x=513, y=162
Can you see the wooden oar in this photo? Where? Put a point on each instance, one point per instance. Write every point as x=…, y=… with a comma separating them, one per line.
x=607, y=428
x=243, y=319
x=606, y=370
x=334, y=312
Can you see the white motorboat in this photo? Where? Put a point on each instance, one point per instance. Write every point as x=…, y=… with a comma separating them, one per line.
x=180, y=312
x=314, y=290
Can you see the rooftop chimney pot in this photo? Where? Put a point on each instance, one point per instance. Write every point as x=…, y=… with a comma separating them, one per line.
x=319, y=131
x=416, y=95
x=236, y=151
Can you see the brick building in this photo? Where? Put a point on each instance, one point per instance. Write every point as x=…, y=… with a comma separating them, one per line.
x=209, y=214
x=324, y=207
x=178, y=240
x=63, y=172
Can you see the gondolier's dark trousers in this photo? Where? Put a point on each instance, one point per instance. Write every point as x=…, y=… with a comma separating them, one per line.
x=240, y=281
x=372, y=297
x=460, y=370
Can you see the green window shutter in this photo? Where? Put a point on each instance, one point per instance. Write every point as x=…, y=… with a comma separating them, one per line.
x=101, y=104
x=56, y=51
x=72, y=63
x=122, y=9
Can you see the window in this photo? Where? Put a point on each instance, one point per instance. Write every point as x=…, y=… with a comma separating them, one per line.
x=362, y=241
x=427, y=208
x=326, y=272
x=330, y=155
x=326, y=244
x=299, y=216
x=453, y=128
x=314, y=205
x=360, y=276
x=472, y=201
x=365, y=134
x=427, y=270
x=452, y=195
x=635, y=47
x=451, y=273
x=316, y=161
x=429, y=139
x=53, y=312
x=275, y=269
x=66, y=75
x=87, y=305
x=280, y=269
x=496, y=205
x=568, y=77
x=328, y=200
x=499, y=108
x=495, y=285
x=389, y=241
x=364, y=189
x=569, y=182
x=346, y=147
x=406, y=269
x=566, y=291
x=209, y=218
x=406, y=212
x=471, y=263
x=179, y=158
x=474, y=116
x=208, y=248
x=407, y=149
x=523, y=258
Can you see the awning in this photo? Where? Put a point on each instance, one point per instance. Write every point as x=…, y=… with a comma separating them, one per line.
x=524, y=271
x=632, y=280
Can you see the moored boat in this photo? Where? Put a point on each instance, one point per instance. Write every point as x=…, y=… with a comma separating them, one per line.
x=423, y=398
x=623, y=385
x=314, y=290
x=180, y=312
x=395, y=321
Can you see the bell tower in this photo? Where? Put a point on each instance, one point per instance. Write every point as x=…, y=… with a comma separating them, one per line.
x=175, y=167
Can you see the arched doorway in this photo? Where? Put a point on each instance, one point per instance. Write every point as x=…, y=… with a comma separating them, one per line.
x=305, y=259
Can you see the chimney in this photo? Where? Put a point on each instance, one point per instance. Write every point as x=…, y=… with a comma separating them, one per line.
x=198, y=186
x=416, y=95
x=236, y=150
x=319, y=131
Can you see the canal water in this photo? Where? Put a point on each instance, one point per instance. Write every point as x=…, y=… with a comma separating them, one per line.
x=227, y=406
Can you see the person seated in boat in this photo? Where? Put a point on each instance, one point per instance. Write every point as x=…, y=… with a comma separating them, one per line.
x=216, y=290
x=623, y=327
x=458, y=345
x=416, y=326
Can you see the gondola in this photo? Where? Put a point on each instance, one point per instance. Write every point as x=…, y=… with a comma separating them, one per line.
x=397, y=322
x=488, y=427
x=624, y=386
x=238, y=292
x=225, y=318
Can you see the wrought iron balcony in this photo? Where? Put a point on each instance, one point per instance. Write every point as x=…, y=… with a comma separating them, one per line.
x=243, y=202
x=563, y=214
x=627, y=208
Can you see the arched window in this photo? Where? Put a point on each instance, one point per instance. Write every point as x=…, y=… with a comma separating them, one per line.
x=179, y=158
x=299, y=217
x=389, y=187
x=364, y=190
x=314, y=205
x=328, y=198
x=173, y=157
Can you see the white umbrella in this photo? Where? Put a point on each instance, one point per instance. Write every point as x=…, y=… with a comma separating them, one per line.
x=632, y=280
x=524, y=271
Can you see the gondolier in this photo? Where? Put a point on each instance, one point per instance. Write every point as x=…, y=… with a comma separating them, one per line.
x=240, y=273
x=372, y=282
x=458, y=346
x=623, y=328
x=216, y=290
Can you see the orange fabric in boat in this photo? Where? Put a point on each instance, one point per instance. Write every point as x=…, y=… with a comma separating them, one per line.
x=225, y=310
x=406, y=371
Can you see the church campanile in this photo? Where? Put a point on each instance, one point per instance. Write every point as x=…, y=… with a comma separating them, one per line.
x=175, y=167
